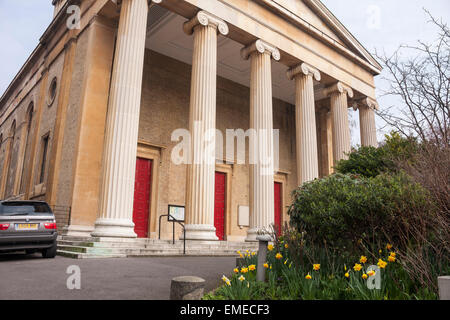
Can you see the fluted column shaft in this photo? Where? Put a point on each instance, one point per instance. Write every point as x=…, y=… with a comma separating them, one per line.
x=341, y=128
x=202, y=124
x=305, y=121
x=261, y=148
x=116, y=212
x=367, y=123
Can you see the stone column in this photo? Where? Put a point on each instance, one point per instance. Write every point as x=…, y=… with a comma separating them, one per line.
x=122, y=123
x=339, y=111
x=261, y=140
x=305, y=122
x=367, y=126
x=202, y=124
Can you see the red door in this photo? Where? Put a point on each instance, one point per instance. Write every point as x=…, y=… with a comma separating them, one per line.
x=141, y=207
x=278, y=206
x=219, y=205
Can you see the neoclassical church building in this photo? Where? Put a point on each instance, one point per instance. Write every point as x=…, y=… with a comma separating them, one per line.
x=88, y=122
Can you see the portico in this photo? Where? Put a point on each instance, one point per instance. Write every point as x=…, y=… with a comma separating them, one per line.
x=153, y=67
x=115, y=215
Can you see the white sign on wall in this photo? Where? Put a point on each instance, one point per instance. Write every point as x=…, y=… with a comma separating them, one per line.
x=244, y=216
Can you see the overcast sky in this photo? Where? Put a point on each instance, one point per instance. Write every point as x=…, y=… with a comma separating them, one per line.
x=377, y=24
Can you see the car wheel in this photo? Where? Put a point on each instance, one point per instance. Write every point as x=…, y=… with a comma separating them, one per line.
x=50, y=252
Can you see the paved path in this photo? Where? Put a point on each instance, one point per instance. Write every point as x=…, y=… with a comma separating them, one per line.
x=31, y=277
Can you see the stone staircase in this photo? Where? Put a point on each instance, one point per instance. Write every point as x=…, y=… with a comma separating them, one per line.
x=84, y=248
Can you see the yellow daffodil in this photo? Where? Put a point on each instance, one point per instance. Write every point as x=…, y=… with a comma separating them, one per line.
x=363, y=259
x=253, y=253
x=252, y=267
x=316, y=266
x=345, y=267
x=357, y=267
x=240, y=255
x=236, y=270
x=228, y=283
x=347, y=275
x=266, y=265
x=392, y=254
x=244, y=270
x=241, y=278
x=270, y=247
x=364, y=276
x=238, y=252
x=285, y=262
x=279, y=256
x=225, y=279
x=389, y=246
x=380, y=251
x=382, y=264
x=286, y=246
x=308, y=276
x=371, y=273
x=391, y=259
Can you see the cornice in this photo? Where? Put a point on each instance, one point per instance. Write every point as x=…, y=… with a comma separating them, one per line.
x=364, y=58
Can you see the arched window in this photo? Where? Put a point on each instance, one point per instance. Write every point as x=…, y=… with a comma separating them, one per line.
x=7, y=162
x=26, y=149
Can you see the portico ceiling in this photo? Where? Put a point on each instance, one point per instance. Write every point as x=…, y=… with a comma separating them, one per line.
x=165, y=35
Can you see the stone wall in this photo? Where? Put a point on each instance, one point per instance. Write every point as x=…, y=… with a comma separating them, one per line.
x=165, y=107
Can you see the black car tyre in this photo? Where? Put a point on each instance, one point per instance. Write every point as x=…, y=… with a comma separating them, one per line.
x=50, y=252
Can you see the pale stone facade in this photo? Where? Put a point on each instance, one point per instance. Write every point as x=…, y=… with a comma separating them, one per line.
x=91, y=100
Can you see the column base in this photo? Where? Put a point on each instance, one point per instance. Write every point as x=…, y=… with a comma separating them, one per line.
x=77, y=231
x=116, y=228
x=254, y=233
x=200, y=232
x=251, y=235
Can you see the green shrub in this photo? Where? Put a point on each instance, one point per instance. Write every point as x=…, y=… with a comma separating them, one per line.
x=371, y=161
x=345, y=210
x=365, y=161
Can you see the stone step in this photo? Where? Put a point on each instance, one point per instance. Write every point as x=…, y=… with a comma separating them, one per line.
x=78, y=255
x=148, y=246
x=160, y=244
x=88, y=247
x=143, y=251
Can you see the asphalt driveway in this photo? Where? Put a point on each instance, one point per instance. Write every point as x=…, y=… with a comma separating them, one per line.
x=31, y=277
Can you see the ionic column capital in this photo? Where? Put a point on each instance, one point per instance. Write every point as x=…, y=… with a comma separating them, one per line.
x=260, y=46
x=205, y=19
x=366, y=102
x=119, y=2
x=303, y=69
x=339, y=87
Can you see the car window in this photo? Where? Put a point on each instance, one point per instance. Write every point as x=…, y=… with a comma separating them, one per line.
x=22, y=208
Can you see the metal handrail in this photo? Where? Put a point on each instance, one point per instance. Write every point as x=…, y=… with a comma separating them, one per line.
x=173, y=231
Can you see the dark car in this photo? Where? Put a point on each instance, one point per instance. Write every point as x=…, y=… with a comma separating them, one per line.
x=28, y=226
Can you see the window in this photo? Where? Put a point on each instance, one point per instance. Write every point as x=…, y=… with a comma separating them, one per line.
x=45, y=140
x=12, y=208
x=52, y=91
